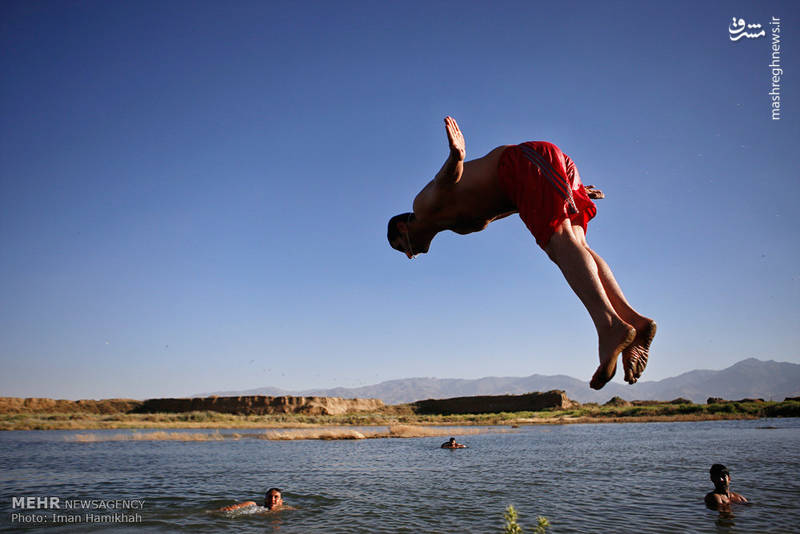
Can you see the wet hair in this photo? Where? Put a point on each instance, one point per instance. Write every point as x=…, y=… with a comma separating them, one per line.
x=452, y=439
x=394, y=232
x=266, y=495
x=718, y=471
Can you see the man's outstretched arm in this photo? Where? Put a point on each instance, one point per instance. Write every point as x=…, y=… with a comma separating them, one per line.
x=454, y=166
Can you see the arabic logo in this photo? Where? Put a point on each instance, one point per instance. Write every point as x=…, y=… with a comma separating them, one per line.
x=737, y=30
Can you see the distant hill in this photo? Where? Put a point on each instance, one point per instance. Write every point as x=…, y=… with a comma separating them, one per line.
x=749, y=378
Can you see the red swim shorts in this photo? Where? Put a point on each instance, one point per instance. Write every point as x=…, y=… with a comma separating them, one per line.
x=546, y=188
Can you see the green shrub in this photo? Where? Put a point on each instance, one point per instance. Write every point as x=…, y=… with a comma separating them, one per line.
x=512, y=527
x=783, y=409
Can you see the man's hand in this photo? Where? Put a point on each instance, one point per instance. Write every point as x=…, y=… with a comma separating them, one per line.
x=456, y=138
x=593, y=192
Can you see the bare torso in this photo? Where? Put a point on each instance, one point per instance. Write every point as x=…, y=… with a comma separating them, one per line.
x=470, y=204
x=715, y=500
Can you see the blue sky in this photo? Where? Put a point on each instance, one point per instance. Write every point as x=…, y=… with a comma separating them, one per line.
x=194, y=195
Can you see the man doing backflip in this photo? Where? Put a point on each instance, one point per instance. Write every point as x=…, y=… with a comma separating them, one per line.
x=542, y=184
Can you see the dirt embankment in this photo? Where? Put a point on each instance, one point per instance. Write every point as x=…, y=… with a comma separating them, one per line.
x=529, y=402
x=11, y=405
x=249, y=405
x=267, y=405
x=263, y=405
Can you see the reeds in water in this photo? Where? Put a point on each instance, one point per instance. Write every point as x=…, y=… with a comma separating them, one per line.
x=312, y=433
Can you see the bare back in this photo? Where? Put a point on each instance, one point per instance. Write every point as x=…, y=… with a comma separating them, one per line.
x=470, y=204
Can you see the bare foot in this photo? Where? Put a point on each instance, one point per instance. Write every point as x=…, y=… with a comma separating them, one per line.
x=634, y=356
x=610, y=346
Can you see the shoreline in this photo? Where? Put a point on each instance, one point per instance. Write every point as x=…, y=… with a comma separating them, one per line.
x=585, y=414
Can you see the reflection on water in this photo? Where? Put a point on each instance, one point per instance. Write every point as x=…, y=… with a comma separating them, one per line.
x=725, y=520
x=648, y=478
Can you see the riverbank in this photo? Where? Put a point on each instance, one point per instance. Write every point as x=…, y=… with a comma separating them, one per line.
x=403, y=415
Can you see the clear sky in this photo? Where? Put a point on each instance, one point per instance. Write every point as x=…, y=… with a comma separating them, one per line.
x=194, y=195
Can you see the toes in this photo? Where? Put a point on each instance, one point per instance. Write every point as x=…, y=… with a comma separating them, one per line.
x=602, y=377
x=634, y=363
x=597, y=383
x=629, y=375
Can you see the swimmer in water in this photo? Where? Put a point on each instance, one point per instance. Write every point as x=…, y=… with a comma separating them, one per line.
x=273, y=501
x=722, y=496
x=453, y=445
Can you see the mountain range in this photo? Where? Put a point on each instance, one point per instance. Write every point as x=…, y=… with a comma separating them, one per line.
x=750, y=378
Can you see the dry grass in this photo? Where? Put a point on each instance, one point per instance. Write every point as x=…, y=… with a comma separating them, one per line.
x=393, y=431
x=152, y=436
x=395, y=418
x=335, y=433
x=187, y=420
x=568, y=419
x=411, y=431
x=339, y=433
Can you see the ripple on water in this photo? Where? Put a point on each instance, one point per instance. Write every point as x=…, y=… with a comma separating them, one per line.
x=647, y=478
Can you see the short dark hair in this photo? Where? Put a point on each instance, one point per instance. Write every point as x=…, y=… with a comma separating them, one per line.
x=718, y=471
x=394, y=232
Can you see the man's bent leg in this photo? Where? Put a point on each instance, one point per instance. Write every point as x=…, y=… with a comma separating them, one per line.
x=634, y=357
x=582, y=273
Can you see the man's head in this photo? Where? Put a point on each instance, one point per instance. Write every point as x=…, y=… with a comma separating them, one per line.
x=399, y=234
x=409, y=235
x=452, y=441
x=720, y=477
x=273, y=498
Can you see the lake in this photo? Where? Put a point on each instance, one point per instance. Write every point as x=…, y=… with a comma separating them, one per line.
x=633, y=477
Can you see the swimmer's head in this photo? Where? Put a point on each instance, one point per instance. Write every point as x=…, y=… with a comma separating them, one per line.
x=718, y=471
x=273, y=498
x=452, y=440
x=720, y=476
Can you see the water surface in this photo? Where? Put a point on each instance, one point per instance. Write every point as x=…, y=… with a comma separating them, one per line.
x=644, y=478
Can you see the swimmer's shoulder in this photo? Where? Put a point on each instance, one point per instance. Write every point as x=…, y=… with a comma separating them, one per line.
x=738, y=498
x=714, y=499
